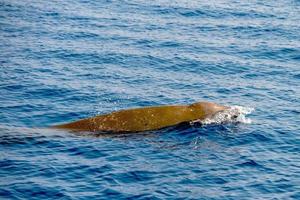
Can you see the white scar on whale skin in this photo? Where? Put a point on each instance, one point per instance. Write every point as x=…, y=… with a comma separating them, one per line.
x=235, y=114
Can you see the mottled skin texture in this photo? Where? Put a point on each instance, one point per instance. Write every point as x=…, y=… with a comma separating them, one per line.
x=144, y=119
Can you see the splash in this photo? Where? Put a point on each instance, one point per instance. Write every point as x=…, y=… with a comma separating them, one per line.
x=235, y=114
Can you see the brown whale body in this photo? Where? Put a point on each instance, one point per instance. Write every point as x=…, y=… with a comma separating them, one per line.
x=144, y=119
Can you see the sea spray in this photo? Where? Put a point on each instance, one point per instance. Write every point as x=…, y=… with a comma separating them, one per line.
x=235, y=114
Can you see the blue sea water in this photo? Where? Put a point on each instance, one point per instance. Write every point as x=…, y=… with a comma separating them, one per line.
x=65, y=60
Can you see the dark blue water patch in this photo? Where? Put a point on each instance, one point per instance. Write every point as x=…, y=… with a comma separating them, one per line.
x=86, y=152
x=52, y=14
x=270, y=187
x=78, y=36
x=250, y=163
x=203, y=11
x=280, y=54
x=13, y=168
x=135, y=176
x=256, y=32
x=144, y=43
x=195, y=13
x=22, y=141
x=284, y=53
x=254, y=137
x=84, y=57
x=53, y=92
x=110, y=193
x=8, y=8
x=36, y=191
x=5, y=193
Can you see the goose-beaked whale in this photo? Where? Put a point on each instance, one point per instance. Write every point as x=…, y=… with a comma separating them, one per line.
x=145, y=119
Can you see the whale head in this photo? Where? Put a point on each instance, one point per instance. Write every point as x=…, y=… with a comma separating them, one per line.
x=207, y=109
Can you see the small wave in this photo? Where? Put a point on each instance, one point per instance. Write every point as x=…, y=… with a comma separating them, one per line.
x=235, y=114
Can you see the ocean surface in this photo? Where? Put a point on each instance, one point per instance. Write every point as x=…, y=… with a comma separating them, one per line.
x=61, y=61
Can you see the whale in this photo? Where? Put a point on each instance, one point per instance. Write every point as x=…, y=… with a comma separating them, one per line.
x=145, y=118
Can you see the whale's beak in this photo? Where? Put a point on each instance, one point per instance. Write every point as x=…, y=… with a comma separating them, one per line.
x=223, y=108
x=215, y=108
x=209, y=108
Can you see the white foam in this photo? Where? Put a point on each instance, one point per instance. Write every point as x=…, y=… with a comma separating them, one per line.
x=235, y=114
